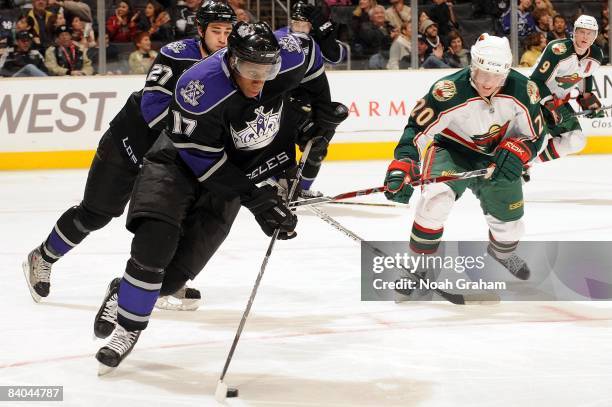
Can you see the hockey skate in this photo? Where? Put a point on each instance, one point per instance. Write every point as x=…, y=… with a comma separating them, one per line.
x=185, y=299
x=37, y=272
x=309, y=193
x=106, y=318
x=514, y=264
x=120, y=345
x=409, y=294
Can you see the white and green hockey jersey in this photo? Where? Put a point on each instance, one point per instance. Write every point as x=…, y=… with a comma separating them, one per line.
x=559, y=69
x=453, y=114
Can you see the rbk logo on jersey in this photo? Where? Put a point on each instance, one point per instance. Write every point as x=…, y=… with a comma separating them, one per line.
x=486, y=142
x=259, y=132
x=568, y=81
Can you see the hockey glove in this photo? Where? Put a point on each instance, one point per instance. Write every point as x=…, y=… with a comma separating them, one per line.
x=510, y=156
x=553, y=115
x=321, y=26
x=399, y=174
x=272, y=213
x=323, y=125
x=588, y=101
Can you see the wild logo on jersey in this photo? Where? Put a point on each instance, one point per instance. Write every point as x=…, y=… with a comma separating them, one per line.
x=444, y=90
x=568, y=81
x=192, y=92
x=259, y=132
x=559, y=49
x=489, y=140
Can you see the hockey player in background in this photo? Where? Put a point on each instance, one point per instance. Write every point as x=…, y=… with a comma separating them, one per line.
x=308, y=22
x=119, y=156
x=226, y=132
x=565, y=65
x=484, y=114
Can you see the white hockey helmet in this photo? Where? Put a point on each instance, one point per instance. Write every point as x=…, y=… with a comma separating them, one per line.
x=491, y=54
x=587, y=22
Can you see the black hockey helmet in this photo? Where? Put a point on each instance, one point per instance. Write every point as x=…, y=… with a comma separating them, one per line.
x=254, y=51
x=215, y=12
x=302, y=11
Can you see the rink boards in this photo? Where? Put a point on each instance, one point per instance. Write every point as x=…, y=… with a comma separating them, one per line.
x=57, y=122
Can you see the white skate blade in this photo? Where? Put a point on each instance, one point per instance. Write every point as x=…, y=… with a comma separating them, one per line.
x=221, y=391
x=26, y=272
x=104, y=370
x=191, y=304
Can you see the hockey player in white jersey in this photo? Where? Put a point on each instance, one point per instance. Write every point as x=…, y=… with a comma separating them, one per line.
x=486, y=114
x=564, y=66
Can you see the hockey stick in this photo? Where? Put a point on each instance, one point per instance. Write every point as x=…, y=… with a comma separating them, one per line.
x=589, y=111
x=221, y=391
x=459, y=299
x=442, y=178
x=377, y=204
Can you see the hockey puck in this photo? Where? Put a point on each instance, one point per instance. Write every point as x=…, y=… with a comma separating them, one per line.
x=232, y=392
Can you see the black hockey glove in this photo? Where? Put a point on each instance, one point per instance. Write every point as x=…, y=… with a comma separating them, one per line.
x=322, y=27
x=323, y=125
x=271, y=212
x=510, y=157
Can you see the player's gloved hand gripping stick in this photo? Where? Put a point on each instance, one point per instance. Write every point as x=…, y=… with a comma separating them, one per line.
x=222, y=391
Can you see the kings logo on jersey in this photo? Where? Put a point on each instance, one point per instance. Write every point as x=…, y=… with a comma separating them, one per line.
x=259, y=132
x=289, y=43
x=177, y=46
x=488, y=141
x=192, y=92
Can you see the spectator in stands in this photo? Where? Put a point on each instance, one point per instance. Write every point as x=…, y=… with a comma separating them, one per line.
x=140, y=60
x=242, y=15
x=398, y=14
x=526, y=23
x=186, y=26
x=456, y=56
x=113, y=64
x=67, y=57
x=39, y=18
x=121, y=27
x=544, y=21
x=546, y=6
x=82, y=33
x=241, y=4
x=485, y=8
x=443, y=15
x=71, y=8
x=361, y=14
x=535, y=44
x=399, y=53
x=23, y=60
x=559, y=30
x=375, y=38
x=434, y=59
x=430, y=31
x=423, y=16
x=25, y=23
x=156, y=22
x=6, y=28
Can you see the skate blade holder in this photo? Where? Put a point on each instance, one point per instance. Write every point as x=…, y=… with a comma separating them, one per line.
x=222, y=391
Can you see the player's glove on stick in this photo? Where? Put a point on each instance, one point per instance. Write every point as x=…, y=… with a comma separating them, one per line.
x=552, y=109
x=399, y=174
x=271, y=212
x=510, y=156
x=588, y=101
x=323, y=125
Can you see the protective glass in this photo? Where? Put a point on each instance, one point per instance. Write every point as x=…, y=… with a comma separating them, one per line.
x=257, y=72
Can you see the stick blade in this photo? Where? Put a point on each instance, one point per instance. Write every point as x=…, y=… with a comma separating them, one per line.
x=221, y=391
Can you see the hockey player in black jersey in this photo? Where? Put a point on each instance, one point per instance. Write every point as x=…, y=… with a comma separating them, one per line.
x=119, y=156
x=226, y=132
x=307, y=21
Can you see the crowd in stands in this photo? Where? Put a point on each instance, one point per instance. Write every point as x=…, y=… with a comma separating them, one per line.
x=52, y=37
